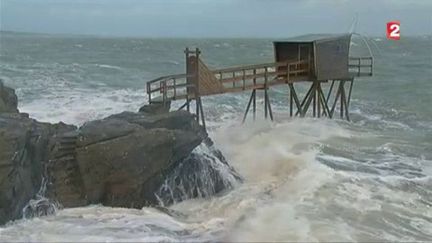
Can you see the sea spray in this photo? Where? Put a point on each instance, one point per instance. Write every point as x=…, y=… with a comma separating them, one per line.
x=202, y=174
x=40, y=205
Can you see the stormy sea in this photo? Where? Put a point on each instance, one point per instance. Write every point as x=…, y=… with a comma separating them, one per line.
x=305, y=179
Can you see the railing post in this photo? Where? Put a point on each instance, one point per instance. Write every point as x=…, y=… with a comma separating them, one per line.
x=148, y=92
x=288, y=72
x=164, y=96
x=233, y=75
x=265, y=93
x=175, y=88
x=359, y=66
x=244, y=81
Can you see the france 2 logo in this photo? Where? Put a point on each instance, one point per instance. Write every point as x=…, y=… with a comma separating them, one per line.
x=393, y=30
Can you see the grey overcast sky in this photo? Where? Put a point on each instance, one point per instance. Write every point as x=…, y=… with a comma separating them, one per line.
x=213, y=18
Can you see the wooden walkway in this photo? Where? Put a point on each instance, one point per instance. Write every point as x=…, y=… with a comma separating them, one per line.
x=228, y=80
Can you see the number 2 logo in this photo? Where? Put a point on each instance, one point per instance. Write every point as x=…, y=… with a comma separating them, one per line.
x=393, y=30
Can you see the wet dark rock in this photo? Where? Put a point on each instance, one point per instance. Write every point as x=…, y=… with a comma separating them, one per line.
x=8, y=99
x=24, y=148
x=156, y=108
x=124, y=160
x=115, y=164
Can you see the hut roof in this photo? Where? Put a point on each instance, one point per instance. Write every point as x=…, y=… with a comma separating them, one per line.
x=312, y=38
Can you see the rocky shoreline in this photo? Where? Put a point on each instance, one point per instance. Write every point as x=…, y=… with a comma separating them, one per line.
x=131, y=159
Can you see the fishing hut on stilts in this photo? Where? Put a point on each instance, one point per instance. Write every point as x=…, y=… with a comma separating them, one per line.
x=314, y=60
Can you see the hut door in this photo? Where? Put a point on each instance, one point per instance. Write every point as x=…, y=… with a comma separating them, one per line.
x=304, y=52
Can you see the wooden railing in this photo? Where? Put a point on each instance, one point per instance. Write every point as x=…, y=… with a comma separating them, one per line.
x=233, y=79
x=168, y=88
x=360, y=66
x=261, y=73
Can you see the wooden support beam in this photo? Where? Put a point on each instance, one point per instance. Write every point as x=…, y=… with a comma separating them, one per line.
x=265, y=103
x=244, y=79
x=296, y=100
x=330, y=91
x=350, y=91
x=321, y=100
x=248, y=105
x=308, y=102
x=342, y=89
x=265, y=92
x=202, y=113
x=335, y=101
x=303, y=112
x=269, y=106
x=327, y=98
x=291, y=102
x=314, y=99
x=184, y=105
x=197, y=110
x=318, y=88
x=234, y=79
x=254, y=104
x=344, y=103
x=326, y=109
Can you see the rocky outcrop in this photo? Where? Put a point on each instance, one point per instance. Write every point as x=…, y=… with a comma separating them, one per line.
x=156, y=108
x=8, y=99
x=24, y=148
x=127, y=160
x=118, y=156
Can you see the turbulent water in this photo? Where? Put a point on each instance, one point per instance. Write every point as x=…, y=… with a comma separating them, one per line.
x=304, y=179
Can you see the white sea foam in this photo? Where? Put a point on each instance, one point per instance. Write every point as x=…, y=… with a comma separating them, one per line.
x=109, y=66
x=287, y=195
x=76, y=106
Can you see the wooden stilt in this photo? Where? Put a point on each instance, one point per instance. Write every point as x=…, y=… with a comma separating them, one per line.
x=248, y=106
x=265, y=103
x=314, y=100
x=269, y=107
x=296, y=100
x=335, y=101
x=326, y=99
x=202, y=113
x=350, y=91
x=344, y=103
x=330, y=91
x=318, y=88
x=321, y=100
x=310, y=98
x=197, y=110
x=341, y=87
x=291, y=102
x=326, y=109
x=184, y=105
x=254, y=104
x=302, y=112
